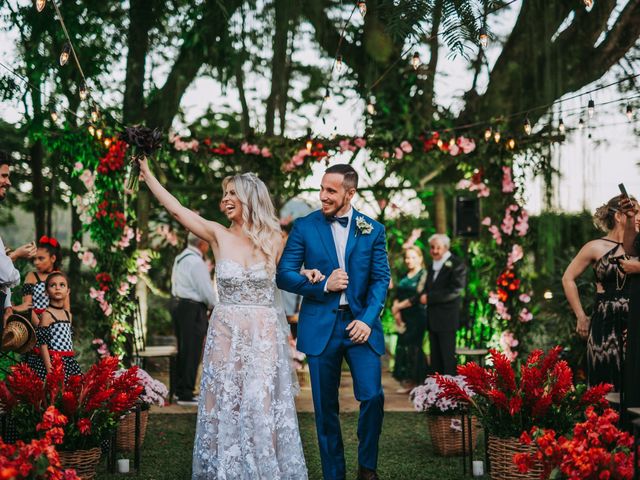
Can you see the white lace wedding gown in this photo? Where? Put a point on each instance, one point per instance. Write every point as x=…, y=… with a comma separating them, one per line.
x=247, y=427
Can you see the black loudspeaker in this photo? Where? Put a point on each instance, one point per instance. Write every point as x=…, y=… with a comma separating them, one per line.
x=467, y=219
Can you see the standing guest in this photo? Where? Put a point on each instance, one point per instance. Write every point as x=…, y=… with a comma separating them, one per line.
x=48, y=259
x=411, y=321
x=446, y=279
x=193, y=295
x=606, y=327
x=9, y=275
x=54, y=332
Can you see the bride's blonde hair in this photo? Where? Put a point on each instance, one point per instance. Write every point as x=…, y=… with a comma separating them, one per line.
x=259, y=220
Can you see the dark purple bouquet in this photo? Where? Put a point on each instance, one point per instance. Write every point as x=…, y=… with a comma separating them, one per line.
x=145, y=141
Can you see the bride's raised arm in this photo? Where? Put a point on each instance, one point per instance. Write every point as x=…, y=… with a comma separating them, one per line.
x=205, y=229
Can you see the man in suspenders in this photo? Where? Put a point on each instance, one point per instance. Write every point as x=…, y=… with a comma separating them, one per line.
x=193, y=295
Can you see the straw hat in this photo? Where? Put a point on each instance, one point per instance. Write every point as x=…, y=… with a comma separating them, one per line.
x=19, y=335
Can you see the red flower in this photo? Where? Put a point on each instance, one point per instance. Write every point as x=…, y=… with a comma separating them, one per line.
x=222, y=149
x=84, y=426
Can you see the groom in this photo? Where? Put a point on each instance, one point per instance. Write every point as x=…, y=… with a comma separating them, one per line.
x=340, y=316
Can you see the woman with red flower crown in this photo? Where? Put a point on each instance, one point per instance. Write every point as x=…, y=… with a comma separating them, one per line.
x=606, y=329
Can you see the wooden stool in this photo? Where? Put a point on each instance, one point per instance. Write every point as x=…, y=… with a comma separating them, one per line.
x=473, y=353
x=169, y=351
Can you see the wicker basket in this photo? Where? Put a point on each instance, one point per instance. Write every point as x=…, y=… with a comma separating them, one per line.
x=447, y=441
x=126, y=434
x=501, y=452
x=84, y=462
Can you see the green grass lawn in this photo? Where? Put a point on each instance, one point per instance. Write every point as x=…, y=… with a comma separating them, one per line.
x=405, y=451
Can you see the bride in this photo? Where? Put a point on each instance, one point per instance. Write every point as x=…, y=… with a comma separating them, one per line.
x=247, y=426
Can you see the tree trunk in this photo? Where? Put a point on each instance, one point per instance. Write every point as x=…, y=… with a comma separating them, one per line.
x=36, y=154
x=278, y=62
x=440, y=210
x=432, y=66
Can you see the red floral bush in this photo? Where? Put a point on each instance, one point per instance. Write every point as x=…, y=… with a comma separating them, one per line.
x=114, y=159
x=597, y=451
x=83, y=411
x=544, y=394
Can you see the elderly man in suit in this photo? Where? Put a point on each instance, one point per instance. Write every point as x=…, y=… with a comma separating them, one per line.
x=443, y=290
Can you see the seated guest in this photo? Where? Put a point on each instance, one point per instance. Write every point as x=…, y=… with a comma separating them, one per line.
x=446, y=280
x=411, y=321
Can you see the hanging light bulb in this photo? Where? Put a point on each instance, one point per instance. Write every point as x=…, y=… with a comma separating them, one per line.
x=484, y=38
x=581, y=124
x=99, y=133
x=548, y=294
x=95, y=114
x=511, y=144
x=64, y=56
x=339, y=64
x=487, y=134
x=629, y=112
x=40, y=4
x=496, y=136
x=588, y=3
x=107, y=142
x=415, y=61
x=440, y=143
x=371, y=109
x=362, y=5
x=54, y=116
x=527, y=126
x=92, y=130
x=452, y=142
x=561, y=127
x=591, y=106
x=82, y=91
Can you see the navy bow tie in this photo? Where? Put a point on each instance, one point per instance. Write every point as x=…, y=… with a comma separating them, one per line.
x=344, y=221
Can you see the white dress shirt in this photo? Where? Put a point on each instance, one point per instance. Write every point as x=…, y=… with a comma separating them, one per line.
x=340, y=238
x=190, y=278
x=438, y=264
x=9, y=275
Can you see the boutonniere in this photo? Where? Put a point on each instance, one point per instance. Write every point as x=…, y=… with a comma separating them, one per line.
x=448, y=264
x=363, y=226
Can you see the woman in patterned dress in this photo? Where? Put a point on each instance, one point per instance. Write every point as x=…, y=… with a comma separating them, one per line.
x=54, y=332
x=606, y=329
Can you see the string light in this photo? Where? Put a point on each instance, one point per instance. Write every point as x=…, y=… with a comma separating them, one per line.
x=362, y=6
x=339, y=64
x=92, y=130
x=591, y=106
x=99, y=133
x=95, y=114
x=487, y=134
x=548, y=294
x=581, y=124
x=309, y=141
x=588, y=3
x=415, y=61
x=54, y=116
x=107, y=142
x=511, y=144
x=439, y=143
x=64, y=56
x=82, y=91
x=561, y=127
x=452, y=142
x=527, y=126
x=496, y=136
x=371, y=109
x=629, y=112
x=484, y=38
x=40, y=4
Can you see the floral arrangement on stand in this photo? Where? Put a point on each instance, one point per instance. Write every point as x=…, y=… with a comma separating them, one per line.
x=428, y=397
x=596, y=450
x=85, y=408
x=543, y=395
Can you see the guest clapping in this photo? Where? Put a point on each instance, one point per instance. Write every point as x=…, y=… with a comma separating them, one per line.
x=604, y=330
x=411, y=322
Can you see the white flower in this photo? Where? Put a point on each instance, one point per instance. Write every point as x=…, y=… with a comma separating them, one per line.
x=363, y=226
x=448, y=264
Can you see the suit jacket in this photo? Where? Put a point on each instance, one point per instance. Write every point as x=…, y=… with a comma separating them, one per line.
x=311, y=244
x=444, y=295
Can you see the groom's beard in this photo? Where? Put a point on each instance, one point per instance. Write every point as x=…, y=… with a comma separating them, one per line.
x=336, y=209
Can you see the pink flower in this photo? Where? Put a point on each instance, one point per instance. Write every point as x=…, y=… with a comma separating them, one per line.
x=495, y=232
x=515, y=255
x=398, y=153
x=382, y=203
x=360, y=142
x=123, y=289
x=76, y=247
x=289, y=167
x=486, y=221
x=265, y=152
x=507, y=222
x=345, y=145
x=250, y=149
x=97, y=341
x=103, y=351
x=483, y=190
x=524, y=298
x=466, y=144
x=78, y=166
x=88, y=259
x=493, y=298
x=507, y=183
x=406, y=147
x=454, y=150
x=297, y=160
x=463, y=184
x=106, y=309
x=97, y=295
x=386, y=155
x=88, y=179
x=522, y=227
x=525, y=315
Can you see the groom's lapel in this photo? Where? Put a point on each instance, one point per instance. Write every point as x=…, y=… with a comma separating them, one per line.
x=351, y=240
x=326, y=237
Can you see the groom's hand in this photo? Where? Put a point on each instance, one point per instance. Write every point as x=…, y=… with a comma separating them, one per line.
x=358, y=331
x=338, y=280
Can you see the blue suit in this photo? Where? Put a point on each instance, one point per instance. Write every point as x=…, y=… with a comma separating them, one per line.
x=322, y=331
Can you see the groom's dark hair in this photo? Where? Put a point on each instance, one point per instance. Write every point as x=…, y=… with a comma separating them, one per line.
x=348, y=172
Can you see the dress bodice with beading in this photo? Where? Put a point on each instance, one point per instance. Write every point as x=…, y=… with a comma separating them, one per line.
x=247, y=426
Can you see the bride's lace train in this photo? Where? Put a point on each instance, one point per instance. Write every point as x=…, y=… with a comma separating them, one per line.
x=247, y=427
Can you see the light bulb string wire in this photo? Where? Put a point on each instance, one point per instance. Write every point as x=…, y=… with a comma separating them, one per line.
x=66, y=34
